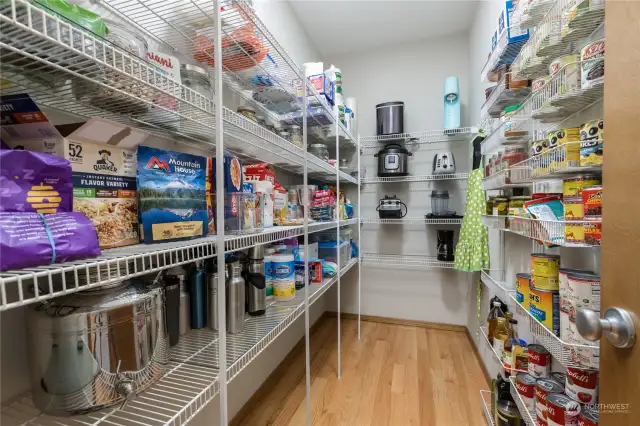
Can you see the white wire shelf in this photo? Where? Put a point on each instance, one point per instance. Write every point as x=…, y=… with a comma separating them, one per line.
x=191, y=381
x=413, y=221
x=535, y=11
x=496, y=138
x=498, y=357
x=485, y=397
x=30, y=285
x=568, y=354
x=462, y=134
x=415, y=178
x=502, y=96
x=494, y=222
x=563, y=160
x=501, y=180
x=67, y=68
x=404, y=261
x=504, y=53
x=494, y=280
x=553, y=35
x=527, y=416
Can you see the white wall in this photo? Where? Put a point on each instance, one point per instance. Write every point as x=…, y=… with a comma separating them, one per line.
x=413, y=73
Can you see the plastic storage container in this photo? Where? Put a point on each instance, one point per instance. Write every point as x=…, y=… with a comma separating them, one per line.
x=327, y=250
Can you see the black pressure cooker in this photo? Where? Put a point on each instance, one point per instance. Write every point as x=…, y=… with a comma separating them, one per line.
x=393, y=160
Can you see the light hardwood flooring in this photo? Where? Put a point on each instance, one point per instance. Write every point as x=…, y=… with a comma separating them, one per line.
x=395, y=375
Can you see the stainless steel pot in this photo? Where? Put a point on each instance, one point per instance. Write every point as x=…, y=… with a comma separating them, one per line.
x=390, y=118
x=393, y=160
x=94, y=349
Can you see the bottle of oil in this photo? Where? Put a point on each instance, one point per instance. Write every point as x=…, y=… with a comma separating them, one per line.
x=501, y=334
x=512, y=343
x=492, y=319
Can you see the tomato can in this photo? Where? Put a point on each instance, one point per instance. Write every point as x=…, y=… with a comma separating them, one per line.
x=573, y=209
x=544, y=271
x=562, y=410
x=544, y=305
x=522, y=289
x=588, y=417
x=539, y=361
x=545, y=387
x=592, y=201
x=593, y=232
x=525, y=385
x=572, y=187
x=582, y=385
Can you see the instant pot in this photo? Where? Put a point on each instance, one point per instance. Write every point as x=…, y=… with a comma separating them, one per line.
x=393, y=160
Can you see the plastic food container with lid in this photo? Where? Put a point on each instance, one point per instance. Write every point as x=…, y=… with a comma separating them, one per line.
x=506, y=118
x=248, y=112
x=197, y=79
x=296, y=135
x=319, y=150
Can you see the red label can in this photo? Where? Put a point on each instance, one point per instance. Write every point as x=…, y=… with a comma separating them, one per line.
x=539, y=361
x=525, y=385
x=545, y=387
x=588, y=418
x=562, y=410
x=582, y=385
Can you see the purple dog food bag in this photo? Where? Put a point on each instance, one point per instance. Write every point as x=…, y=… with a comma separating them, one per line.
x=34, y=182
x=33, y=239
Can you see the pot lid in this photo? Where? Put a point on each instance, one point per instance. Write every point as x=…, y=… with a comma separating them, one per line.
x=393, y=149
x=439, y=193
x=388, y=104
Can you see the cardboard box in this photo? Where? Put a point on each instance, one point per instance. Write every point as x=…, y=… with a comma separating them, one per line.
x=505, y=22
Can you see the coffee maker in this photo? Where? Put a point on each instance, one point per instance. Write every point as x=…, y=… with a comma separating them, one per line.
x=445, y=245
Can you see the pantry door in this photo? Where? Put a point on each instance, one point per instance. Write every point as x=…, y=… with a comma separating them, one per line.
x=620, y=368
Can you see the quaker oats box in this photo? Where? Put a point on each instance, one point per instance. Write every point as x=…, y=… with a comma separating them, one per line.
x=172, y=195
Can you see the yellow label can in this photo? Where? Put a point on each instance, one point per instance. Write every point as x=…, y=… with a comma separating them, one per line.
x=544, y=271
x=522, y=289
x=544, y=305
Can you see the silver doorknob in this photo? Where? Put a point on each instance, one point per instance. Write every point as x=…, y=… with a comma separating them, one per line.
x=617, y=324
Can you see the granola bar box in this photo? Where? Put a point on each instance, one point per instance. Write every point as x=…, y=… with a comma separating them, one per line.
x=171, y=193
x=104, y=189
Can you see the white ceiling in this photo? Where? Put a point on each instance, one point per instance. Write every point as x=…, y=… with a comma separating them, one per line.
x=346, y=26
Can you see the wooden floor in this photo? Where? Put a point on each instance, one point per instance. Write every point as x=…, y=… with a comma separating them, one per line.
x=395, y=375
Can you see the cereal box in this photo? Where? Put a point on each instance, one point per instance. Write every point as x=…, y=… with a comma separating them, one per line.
x=171, y=192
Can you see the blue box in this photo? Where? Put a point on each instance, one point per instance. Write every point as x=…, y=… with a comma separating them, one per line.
x=514, y=34
x=494, y=40
x=171, y=193
x=233, y=176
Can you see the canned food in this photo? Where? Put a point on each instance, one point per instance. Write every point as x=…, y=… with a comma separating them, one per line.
x=562, y=136
x=584, y=290
x=500, y=206
x=592, y=56
x=592, y=202
x=588, y=417
x=539, y=361
x=558, y=377
x=561, y=410
x=522, y=289
x=570, y=81
x=573, y=209
x=582, y=385
x=591, y=143
x=573, y=187
x=537, y=147
x=525, y=385
x=593, y=232
x=539, y=83
x=545, y=387
x=567, y=307
x=544, y=305
x=544, y=271
x=574, y=233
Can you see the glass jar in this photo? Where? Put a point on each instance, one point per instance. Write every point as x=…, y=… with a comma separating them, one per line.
x=319, y=150
x=248, y=112
x=197, y=79
x=513, y=155
x=489, y=209
x=296, y=135
x=500, y=206
x=285, y=135
x=516, y=206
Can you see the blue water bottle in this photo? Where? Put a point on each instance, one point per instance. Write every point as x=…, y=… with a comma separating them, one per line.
x=198, y=296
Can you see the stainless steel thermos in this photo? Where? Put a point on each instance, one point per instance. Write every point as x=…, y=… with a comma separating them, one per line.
x=172, y=302
x=212, y=300
x=235, y=298
x=256, y=282
x=185, y=306
x=197, y=296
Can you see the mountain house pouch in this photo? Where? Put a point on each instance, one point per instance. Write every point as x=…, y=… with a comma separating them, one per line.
x=33, y=239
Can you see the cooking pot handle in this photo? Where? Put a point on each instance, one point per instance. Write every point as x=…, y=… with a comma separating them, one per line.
x=406, y=210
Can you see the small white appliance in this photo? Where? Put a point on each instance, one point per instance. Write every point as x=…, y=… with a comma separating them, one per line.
x=443, y=163
x=451, y=103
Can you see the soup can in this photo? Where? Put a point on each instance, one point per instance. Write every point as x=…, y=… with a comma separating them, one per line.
x=588, y=417
x=525, y=385
x=582, y=385
x=545, y=387
x=593, y=232
x=574, y=232
x=544, y=271
x=539, y=361
x=573, y=209
x=522, y=289
x=558, y=377
x=544, y=306
x=561, y=410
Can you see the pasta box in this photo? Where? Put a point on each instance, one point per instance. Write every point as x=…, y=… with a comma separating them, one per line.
x=171, y=193
x=232, y=173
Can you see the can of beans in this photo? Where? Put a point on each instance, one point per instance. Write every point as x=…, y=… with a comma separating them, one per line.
x=522, y=289
x=593, y=232
x=572, y=187
x=561, y=410
x=588, y=417
x=592, y=201
x=539, y=361
x=582, y=385
x=545, y=387
x=525, y=385
x=544, y=271
x=544, y=305
x=574, y=232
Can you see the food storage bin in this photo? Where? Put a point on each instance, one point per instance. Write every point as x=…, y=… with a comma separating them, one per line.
x=240, y=213
x=197, y=79
x=319, y=150
x=328, y=251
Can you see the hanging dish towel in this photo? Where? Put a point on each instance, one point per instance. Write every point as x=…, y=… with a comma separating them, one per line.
x=472, y=251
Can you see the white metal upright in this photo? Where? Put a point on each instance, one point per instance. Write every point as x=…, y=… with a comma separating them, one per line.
x=222, y=297
x=359, y=236
x=306, y=206
x=338, y=242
